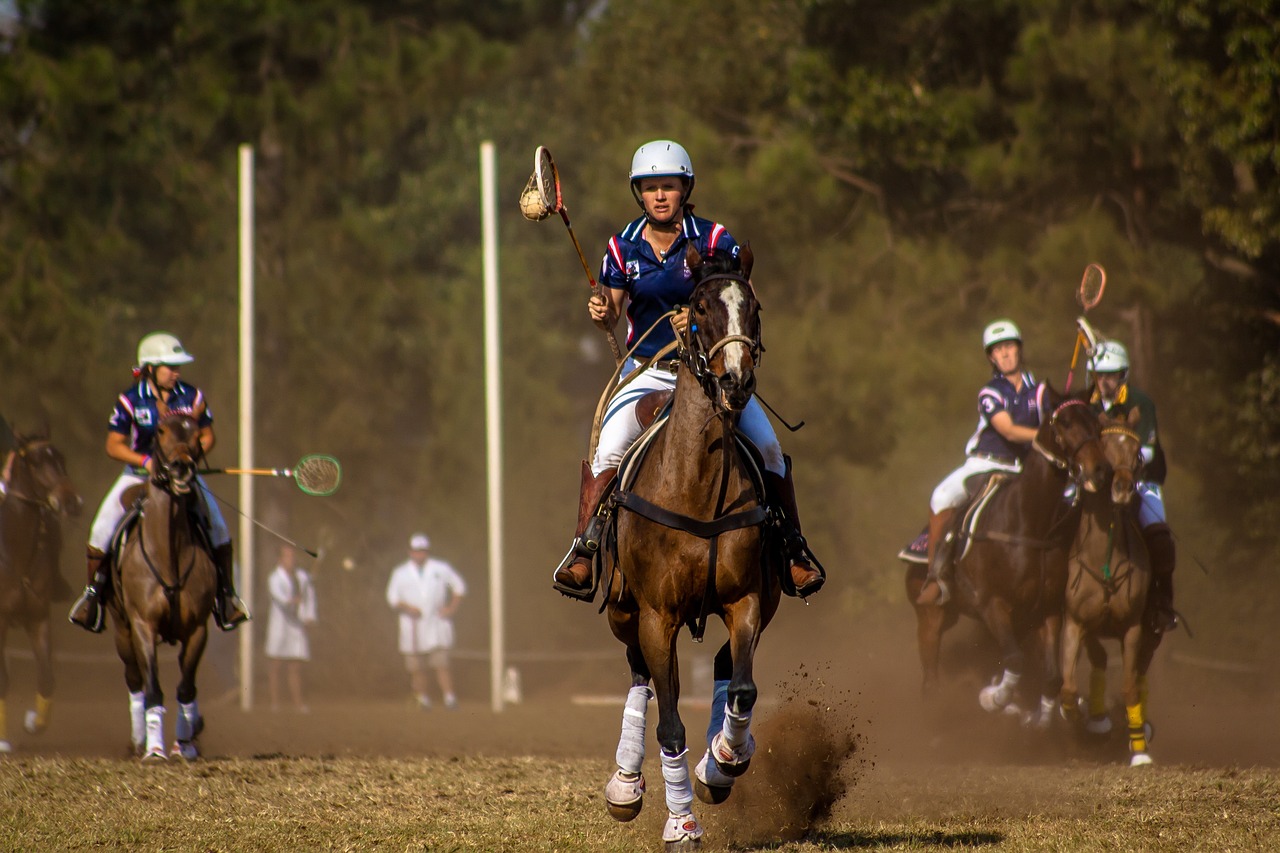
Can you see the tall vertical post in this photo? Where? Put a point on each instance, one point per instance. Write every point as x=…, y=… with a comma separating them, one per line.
x=493, y=416
x=245, y=547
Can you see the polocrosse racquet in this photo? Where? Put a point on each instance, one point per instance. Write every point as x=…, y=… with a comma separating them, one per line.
x=542, y=197
x=1088, y=295
x=316, y=474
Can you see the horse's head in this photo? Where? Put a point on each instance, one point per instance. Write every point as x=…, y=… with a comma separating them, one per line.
x=1069, y=439
x=724, y=328
x=175, y=453
x=1123, y=448
x=40, y=475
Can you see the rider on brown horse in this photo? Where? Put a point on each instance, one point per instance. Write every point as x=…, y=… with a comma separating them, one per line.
x=1113, y=394
x=1007, y=421
x=645, y=273
x=130, y=434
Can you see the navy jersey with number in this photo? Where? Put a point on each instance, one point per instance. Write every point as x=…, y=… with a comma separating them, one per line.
x=997, y=396
x=137, y=417
x=656, y=285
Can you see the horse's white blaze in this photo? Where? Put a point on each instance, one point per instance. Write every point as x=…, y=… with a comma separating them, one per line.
x=736, y=355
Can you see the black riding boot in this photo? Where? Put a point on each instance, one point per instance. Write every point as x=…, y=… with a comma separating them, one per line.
x=89, y=611
x=1161, y=616
x=228, y=610
x=804, y=577
x=573, y=577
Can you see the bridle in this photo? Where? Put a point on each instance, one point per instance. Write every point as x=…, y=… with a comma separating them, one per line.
x=172, y=474
x=698, y=359
x=1068, y=461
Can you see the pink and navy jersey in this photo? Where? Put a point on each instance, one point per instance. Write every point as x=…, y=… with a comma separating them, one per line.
x=1023, y=406
x=656, y=285
x=137, y=417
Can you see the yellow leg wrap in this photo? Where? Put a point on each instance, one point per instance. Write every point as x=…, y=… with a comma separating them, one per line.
x=44, y=710
x=1097, y=693
x=1137, y=736
x=1142, y=694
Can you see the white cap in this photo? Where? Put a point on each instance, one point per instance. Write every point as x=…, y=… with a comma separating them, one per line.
x=419, y=542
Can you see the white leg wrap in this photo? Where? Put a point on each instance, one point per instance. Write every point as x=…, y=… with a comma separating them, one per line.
x=675, y=772
x=736, y=728
x=185, y=725
x=630, y=755
x=155, y=731
x=137, y=720
x=996, y=696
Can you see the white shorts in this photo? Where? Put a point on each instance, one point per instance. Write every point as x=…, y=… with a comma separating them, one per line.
x=621, y=428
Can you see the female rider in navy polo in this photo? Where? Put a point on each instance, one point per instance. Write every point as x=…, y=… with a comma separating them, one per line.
x=130, y=434
x=644, y=275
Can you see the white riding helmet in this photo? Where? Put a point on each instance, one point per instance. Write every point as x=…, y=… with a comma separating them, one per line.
x=1111, y=357
x=162, y=348
x=659, y=159
x=1000, y=330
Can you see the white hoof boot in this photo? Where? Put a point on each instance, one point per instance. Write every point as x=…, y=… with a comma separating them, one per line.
x=155, y=753
x=5, y=747
x=624, y=795
x=710, y=784
x=682, y=831
x=31, y=722
x=185, y=749
x=732, y=762
x=1139, y=759
x=1098, y=725
x=994, y=698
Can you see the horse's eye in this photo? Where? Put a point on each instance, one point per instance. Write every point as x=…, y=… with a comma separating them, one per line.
x=701, y=309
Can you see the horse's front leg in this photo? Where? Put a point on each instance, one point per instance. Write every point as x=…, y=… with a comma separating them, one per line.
x=930, y=619
x=5, y=746
x=1050, y=655
x=37, y=719
x=658, y=632
x=1069, y=696
x=624, y=792
x=733, y=746
x=189, y=723
x=1133, y=697
x=144, y=649
x=133, y=681
x=998, y=618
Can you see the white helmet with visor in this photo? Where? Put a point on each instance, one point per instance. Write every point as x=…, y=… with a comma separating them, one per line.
x=1111, y=357
x=661, y=158
x=998, y=332
x=162, y=348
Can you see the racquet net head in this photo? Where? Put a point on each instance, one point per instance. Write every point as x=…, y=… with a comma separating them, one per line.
x=548, y=179
x=1092, y=284
x=531, y=206
x=318, y=475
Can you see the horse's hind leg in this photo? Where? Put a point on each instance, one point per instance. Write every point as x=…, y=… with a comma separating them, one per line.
x=624, y=792
x=711, y=784
x=733, y=746
x=189, y=723
x=1069, y=696
x=37, y=719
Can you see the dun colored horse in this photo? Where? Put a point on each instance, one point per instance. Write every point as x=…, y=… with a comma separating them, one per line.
x=40, y=493
x=691, y=542
x=1109, y=574
x=164, y=584
x=1010, y=573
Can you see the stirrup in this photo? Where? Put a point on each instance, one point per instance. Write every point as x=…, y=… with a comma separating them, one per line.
x=94, y=619
x=225, y=622
x=578, y=594
x=944, y=593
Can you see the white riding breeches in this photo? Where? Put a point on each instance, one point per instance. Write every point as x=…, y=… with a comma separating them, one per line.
x=111, y=511
x=951, y=492
x=621, y=427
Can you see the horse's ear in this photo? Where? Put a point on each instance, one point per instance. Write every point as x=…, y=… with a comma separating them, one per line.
x=746, y=258
x=692, y=258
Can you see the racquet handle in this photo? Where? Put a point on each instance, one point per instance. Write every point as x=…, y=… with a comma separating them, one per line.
x=595, y=288
x=264, y=472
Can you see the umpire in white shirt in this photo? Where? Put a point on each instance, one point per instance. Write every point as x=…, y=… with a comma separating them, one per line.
x=426, y=592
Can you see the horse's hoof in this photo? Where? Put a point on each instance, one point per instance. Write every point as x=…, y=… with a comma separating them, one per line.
x=155, y=753
x=184, y=749
x=682, y=832
x=31, y=722
x=710, y=785
x=624, y=796
x=1139, y=759
x=1098, y=725
x=730, y=761
x=993, y=698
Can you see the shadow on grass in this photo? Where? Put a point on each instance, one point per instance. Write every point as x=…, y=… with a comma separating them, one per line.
x=878, y=840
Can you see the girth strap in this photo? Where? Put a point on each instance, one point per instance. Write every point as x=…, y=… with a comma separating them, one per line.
x=699, y=528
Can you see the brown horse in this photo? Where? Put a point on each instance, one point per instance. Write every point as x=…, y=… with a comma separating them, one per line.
x=1109, y=574
x=164, y=584
x=1010, y=572
x=691, y=541
x=40, y=493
